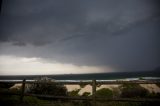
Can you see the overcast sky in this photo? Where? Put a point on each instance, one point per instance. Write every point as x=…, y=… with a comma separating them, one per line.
x=79, y=36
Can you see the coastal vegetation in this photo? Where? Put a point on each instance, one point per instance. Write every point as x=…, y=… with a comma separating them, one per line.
x=104, y=92
x=123, y=91
x=47, y=89
x=133, y=91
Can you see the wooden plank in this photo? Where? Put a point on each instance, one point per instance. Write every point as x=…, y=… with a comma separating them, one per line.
x=129, y=82
x=129, y=99
x=61, y=97
x=85, y=82
x=94, y=92
x=23, y=89
x=97, y=98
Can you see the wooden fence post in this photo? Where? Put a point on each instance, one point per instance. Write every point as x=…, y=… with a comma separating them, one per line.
x=23, y=89
x=94, y=92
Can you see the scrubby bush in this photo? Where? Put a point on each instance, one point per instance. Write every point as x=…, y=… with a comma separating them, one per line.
x=74, y=92
x=82, y=84
x=47, y=86
x=104, y=92
x=116, y=92
x=9, y=99
x=86, y=94
x=154, y=95
x=158, y=85
x=6, y=85
x=133, y=90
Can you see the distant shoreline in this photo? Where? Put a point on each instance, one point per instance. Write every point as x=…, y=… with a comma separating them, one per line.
x=125, y=79
x=97, y=76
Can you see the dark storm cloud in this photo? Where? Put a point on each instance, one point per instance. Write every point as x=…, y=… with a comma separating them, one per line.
x=122, y=34
x=50, y=20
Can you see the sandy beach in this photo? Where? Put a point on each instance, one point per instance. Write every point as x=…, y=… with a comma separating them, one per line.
x=88, y=88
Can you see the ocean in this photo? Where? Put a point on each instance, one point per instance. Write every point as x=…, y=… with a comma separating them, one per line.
x=97, y=76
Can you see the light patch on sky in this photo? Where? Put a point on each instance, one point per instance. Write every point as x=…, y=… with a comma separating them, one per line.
x=12, y=65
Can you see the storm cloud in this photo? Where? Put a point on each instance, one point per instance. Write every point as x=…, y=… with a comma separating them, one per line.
x=120, y=34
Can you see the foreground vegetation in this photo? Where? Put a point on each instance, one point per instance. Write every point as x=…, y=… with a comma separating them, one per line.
x=124, y=91
x=33, y=101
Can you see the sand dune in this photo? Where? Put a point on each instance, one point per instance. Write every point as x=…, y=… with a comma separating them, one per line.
x=88, y=88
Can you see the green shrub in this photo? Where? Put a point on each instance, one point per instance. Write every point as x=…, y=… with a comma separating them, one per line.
x=34, y=101
x=74, y=92
x=158, y=85
x=154, y=95
x=86, y=94
x=48, y=88
x=104, y=92
x=116, y=92
x=6, y=85
x=82, y=84
x=133, y=90
x=9, y=98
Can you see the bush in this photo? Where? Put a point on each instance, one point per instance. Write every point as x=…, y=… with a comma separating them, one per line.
x=9, y=99
x=158, y=85
x=82, y=84
x=86, y=94
x=154, y=95
x=116, y=92
x=133, y=90
x=74, y=92
x=6, y=85
x=104, y=92
x=46, y=88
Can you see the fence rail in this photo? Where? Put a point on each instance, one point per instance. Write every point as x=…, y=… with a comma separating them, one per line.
x=93, y=83
x=85, y=82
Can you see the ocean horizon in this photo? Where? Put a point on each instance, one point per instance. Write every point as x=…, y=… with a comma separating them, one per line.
x=90, y=76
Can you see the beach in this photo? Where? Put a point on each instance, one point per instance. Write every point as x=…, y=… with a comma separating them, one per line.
x=88, y=88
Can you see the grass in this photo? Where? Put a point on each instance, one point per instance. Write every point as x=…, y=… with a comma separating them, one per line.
x=34, y=101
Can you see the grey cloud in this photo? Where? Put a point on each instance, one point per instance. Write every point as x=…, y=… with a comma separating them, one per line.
x=62, y=20
x=19, y=44
x=121, y=34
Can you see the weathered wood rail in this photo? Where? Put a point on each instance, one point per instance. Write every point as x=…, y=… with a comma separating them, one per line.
x=93, y=83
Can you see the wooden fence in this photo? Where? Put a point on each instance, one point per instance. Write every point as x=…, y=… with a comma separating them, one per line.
x=93, y=83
